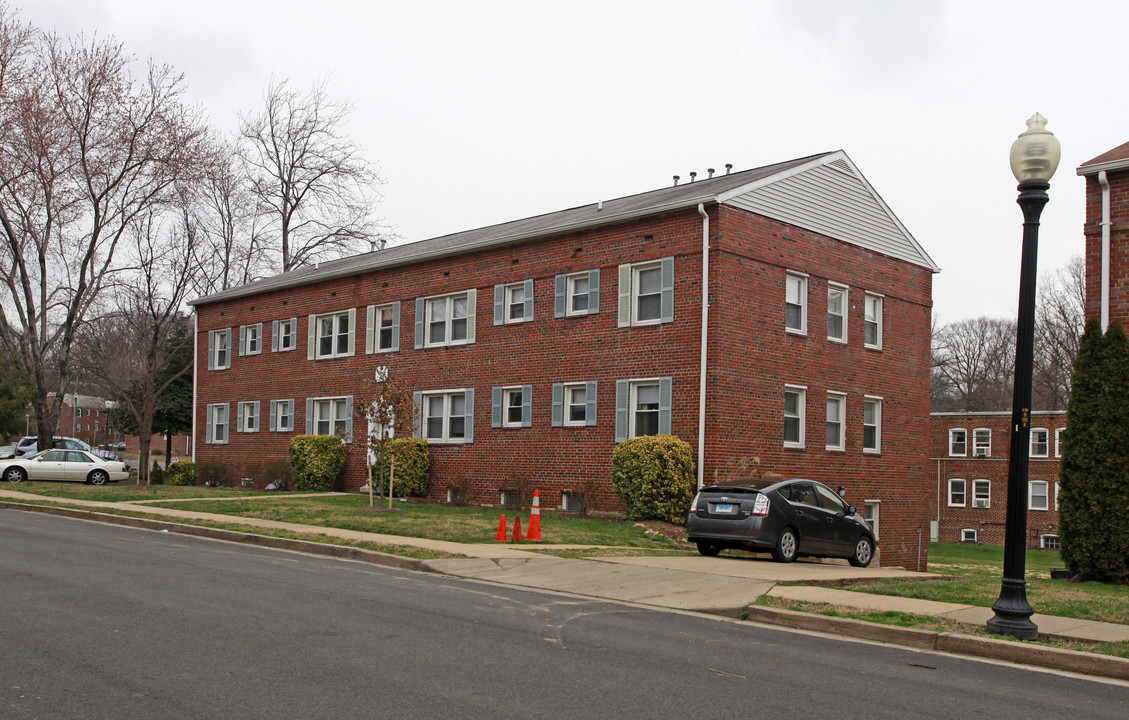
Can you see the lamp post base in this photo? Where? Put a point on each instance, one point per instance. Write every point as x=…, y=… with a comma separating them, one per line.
x=1013, y=613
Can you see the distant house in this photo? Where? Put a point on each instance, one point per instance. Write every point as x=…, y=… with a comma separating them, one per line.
x=87, y=418
x=534, y=346
x=969, y=452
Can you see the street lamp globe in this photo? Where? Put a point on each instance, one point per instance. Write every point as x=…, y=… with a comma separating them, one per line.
x=1035, y=153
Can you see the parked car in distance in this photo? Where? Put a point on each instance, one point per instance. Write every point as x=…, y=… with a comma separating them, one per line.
x=788, y=517
x=7, y=451
x=29, y=445
x=60, y=464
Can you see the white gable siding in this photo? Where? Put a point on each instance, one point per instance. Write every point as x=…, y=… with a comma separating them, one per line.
x=833, y=201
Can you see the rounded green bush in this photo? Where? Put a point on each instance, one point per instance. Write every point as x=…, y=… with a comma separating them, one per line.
x=316, y=461
x=413, y=464
x=654, y=478
x=182, y=472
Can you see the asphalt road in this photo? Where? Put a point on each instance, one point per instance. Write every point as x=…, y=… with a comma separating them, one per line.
x=100, y=621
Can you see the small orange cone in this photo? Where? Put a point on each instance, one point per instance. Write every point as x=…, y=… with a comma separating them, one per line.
x=534, y=534
x=501, y=537
x=517, y=529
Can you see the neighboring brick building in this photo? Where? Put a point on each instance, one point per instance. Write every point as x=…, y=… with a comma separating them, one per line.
x=534, y=346
x=969, y=498
x=87, y=418
x=1107, y=236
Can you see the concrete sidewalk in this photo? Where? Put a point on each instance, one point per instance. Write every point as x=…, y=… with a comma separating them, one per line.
x=725, y=585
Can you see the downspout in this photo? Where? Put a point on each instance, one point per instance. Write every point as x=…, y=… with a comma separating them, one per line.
x=195, y=370
x=1103, y=180
x=705, y=337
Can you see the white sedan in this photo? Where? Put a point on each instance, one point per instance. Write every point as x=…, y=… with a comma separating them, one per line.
x=72, y=465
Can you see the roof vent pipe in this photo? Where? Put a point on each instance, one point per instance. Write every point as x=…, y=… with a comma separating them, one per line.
x=712, y=171
x=599, y=206
x=693, y=175
x=675, y=179
x=728, y=167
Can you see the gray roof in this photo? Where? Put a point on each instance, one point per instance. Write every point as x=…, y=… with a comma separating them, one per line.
x=666, y=199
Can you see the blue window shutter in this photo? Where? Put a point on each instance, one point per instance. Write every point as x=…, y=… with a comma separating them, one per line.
x=349, y=418
x=667, y=302
x=239, y=416
x=352, y=332
x=469, y=416
x=559, y=295
x=274, y=336
x=527, y=406
x=293, y=334
x=499, y=304
x=471, y=307
x=417, y=398
x=242, y=339
x=664, y=405
x=558, y=403
x=273, y=415
x=396, y=326
x=590, y=403
x=290, y=426
x=624, y=296
x=496, y=407
x=594, y=291
x=370, y=330
x=529, y=299
x=419, y=323
x=211, y=351
x=312, y=337
x=309, y=416
x=209, y=416
x=621, y=395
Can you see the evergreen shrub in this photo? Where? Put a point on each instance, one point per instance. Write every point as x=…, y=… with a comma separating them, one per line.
x=654, y=478
x=182, y=472
x=413, y=464
x=316, y=462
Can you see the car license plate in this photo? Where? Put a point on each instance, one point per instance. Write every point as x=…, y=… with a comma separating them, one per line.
x=724, y=508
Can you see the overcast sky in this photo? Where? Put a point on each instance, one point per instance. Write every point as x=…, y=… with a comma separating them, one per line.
x=482, y=112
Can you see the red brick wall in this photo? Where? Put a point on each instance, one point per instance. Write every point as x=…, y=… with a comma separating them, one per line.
x=751, y=358
x=1119, y=247
x=989, y=522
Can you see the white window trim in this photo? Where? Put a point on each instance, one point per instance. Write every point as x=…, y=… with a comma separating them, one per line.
x=507, y=394
x=315, y=335
x=286, y=329
x=445, y=438
x=842, y=398
x=214, y=349
x=449, y=319
x=566, y=405
x=1046, y=443
x=275, y=425
x=247, y=411
x=1031, y=495
x=968, y=535
x=508, y=303
x=570, y=293
x=633, y=405
x=877, y=449
x=375, y=328
x=212, y=424
x=964, y=493
x=628, y=309
x=1058, y=442
x=312, y=421
x=975, y=445
x=803, y=278
x=1043, y=541
x=803, y=401
x=837, y=287
x=974, y=495
x=880, y=320
x=245, y=339
x=956, y=454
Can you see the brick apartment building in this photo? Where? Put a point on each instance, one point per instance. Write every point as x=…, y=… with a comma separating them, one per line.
x=969, y=450
x=534, y=346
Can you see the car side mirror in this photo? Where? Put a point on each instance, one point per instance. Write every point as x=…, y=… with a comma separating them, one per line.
x=851, y=510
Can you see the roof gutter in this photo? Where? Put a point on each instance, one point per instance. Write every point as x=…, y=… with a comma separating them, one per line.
x=705, y=343
x=195, y=376
x=1103, y=180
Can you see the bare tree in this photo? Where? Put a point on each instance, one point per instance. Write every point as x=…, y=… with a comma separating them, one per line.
x=1060, y=319
x=313, y=187
x=387, y=406
x=974, y=362
x=85, y=150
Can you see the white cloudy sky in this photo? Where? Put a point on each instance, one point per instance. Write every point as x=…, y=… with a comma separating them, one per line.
x=482, y=112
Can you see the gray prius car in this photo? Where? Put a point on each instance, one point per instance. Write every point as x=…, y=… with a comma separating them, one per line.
x=789, y=518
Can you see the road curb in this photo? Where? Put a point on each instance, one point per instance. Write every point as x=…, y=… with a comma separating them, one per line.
x=970, y=645
x=314, y=548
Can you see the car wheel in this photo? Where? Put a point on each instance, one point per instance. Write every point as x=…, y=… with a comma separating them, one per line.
x=15, y=474
x=864, y=552
x=97, y=477
x=708, y=549
x=787, y=546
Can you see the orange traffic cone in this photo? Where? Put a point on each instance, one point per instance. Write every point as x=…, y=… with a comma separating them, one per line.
x=501, y=529
x=517, y=529
x=534, y=534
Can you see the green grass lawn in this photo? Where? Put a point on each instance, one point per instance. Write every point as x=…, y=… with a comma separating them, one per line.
x=973, y=578
x=122, y=491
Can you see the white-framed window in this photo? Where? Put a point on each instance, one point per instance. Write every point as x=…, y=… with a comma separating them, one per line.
x=1058, y=442
x=982, y=442
x=574, y=404
x=282, y=415
x=871, y=424
x=1056, y=495
x=219, y=349
x=513, y=303
x=1049, y=542
x=796, y=303
x=512, y=407
x=836, y=411
x=382, y=332
x=445, y=319
x=643, y=407
x=330, y=416
x=247, y=419
x=837, y=312
x=968, y=535
x=872, y=321
x=577, y=294
x=646, y=293
x=251, y=339
x=795, y=406
x=958, y=492
x=218, y=423
x=871, y=510
x=284, y=335
x=1038, y=496
x=331, y=335
x=981, y=493
x=447, y=415
x=1040, y=442
x=958, y=442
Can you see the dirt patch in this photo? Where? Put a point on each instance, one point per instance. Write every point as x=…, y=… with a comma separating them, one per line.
x=676, y=533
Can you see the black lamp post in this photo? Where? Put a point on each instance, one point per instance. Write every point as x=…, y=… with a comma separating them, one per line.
x=1034, y=159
